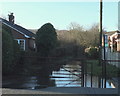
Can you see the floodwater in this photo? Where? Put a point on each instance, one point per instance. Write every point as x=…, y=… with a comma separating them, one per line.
x=73, y=79
x=65, y=77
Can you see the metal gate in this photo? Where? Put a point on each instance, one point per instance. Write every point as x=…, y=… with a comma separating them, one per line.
x=69, y=75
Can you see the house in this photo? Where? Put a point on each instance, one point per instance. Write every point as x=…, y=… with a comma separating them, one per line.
x=24, y=37
x=114, y=41
x=112, y=50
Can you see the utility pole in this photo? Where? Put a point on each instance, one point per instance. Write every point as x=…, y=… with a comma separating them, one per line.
x=100, y=30
x=100, y=45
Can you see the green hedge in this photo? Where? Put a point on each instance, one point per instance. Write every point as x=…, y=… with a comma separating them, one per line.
x=10, y=52
x=7, y=52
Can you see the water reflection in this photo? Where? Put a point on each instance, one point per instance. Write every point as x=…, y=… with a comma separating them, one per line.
x=71, y=77
x=67, y=76
x=39, y=80
x=95, y=82
x=26, y=82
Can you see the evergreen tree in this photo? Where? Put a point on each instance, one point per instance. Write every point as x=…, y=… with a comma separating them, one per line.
x=46, y=39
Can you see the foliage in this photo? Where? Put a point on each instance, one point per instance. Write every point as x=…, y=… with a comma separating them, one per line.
x=10, y=51
x=111, y=70
x=46, y=39
x=77, y=39
x=93, y=35
x=7, y=52
x=93, y=53
x=96, y=70
x=84, y=37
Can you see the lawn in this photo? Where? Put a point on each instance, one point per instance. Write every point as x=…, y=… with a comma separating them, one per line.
x=111, y=70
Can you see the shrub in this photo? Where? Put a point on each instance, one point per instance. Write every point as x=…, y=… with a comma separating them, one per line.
x=10, y=52
x=93, y=53
x=7, y=52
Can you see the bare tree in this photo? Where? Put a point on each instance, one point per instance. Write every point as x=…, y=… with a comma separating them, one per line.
x=75, y=26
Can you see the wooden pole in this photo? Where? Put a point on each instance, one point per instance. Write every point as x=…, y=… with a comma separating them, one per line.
x=100, y=46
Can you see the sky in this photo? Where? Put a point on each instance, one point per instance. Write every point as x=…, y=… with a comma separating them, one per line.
x=32, y=15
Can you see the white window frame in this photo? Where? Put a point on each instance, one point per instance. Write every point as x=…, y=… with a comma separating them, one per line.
x=18, y=40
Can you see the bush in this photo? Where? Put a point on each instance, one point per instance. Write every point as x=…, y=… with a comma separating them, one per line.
x=93, y=53
x=10, y=52
x=7, y=52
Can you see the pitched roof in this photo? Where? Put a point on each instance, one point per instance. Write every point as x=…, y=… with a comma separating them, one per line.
x=112, y=32
x=16, y=27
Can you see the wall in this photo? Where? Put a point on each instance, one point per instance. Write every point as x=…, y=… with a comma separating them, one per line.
x=17, y=35
x=118, y=45
x=31, y=43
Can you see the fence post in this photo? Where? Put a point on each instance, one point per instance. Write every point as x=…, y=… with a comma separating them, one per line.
x=82, y=73
x=105, y=74
x=91, y=72
x=85, y=73
x=104, y=65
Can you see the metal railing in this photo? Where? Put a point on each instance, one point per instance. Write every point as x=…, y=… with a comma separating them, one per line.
x=75, y=74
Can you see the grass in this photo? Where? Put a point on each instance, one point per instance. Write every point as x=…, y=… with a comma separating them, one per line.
x=112, y=71
x=96, y=70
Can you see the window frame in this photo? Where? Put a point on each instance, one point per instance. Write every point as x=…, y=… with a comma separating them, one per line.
x=18, y=40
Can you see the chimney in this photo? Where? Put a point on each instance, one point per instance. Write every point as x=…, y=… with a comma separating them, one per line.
x=11, y=18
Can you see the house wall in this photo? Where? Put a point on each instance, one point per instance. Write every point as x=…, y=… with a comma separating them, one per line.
x=26, y=44
x=17, y=35
x=118, y=45
x=115, y=39
x=32, y=44
x=21, y=38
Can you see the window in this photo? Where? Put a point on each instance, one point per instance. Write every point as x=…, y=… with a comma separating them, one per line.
x=21, y=42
